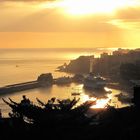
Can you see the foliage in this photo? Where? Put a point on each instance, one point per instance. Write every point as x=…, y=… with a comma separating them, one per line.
x=55, y=111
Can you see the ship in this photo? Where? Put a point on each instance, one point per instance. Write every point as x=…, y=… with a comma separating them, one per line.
x=94, y=82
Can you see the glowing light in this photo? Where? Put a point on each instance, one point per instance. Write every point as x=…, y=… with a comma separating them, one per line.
x=87, y=98
x=84, y=7
x=89, y=7
x=107, y=89
x=101, y=103
x=124, y=25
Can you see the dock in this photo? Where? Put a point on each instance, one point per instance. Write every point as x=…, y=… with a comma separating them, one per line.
x=44, y=80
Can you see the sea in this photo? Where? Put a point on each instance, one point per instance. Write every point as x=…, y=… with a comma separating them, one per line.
x=26, y=64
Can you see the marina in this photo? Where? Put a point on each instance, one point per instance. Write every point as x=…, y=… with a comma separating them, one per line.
x=28, y=72
x=43, y=80
x=70, y=69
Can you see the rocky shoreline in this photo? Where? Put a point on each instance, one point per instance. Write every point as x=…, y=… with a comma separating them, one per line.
x=122, y=66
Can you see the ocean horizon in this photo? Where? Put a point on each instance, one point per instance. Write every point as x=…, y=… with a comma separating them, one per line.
x=23, y=65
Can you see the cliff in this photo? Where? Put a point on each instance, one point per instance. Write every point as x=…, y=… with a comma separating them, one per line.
x=106, y=65
x=79, y=65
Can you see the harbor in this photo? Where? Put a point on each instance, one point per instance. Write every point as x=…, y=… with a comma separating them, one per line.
x=46, y=86
x=43, y=80
x=70, y=69
x=63, y=116
x=47, y=80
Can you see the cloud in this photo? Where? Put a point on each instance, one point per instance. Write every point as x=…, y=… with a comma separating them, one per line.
x=25, y=0
x=129, y=14
x=53, y=21
x=28, y=17
x=127, y=18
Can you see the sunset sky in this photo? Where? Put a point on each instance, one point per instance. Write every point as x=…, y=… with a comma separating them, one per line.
x=69, y=23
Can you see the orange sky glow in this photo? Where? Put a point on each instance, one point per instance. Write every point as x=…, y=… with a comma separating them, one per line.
x=69, y=23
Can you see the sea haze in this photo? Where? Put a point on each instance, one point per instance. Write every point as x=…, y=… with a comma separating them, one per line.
x=21, y=65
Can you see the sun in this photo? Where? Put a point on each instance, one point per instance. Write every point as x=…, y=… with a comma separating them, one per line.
x=86, y=7
x=90, y=7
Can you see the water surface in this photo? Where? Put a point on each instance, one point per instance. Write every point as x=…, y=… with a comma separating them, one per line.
x=21, y=65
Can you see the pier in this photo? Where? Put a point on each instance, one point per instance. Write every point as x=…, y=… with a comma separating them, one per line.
x=44, y=80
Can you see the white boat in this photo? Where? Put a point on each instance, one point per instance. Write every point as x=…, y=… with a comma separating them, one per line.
x=91, y=81
x=94, y=82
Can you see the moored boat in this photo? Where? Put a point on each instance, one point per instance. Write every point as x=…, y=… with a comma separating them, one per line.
x=94, y=82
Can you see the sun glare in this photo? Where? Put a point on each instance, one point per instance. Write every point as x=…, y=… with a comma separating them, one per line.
x=87, y=7
x=90, y=7
x=100, y=103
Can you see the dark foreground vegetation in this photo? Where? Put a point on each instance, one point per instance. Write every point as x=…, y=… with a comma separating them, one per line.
x=62, y=119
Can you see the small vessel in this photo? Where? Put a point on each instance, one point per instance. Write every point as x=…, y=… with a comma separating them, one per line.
x=94, y=82
x=75, y=94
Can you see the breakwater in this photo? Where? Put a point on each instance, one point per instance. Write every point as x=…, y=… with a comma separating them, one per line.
x=43, y=80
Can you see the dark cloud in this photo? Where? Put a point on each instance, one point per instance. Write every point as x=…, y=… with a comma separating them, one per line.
x=129, y=14
x=128, y=18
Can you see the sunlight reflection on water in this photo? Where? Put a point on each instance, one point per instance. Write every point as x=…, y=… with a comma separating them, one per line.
x=64, y=92
x=109, y=98
x=37, y=62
